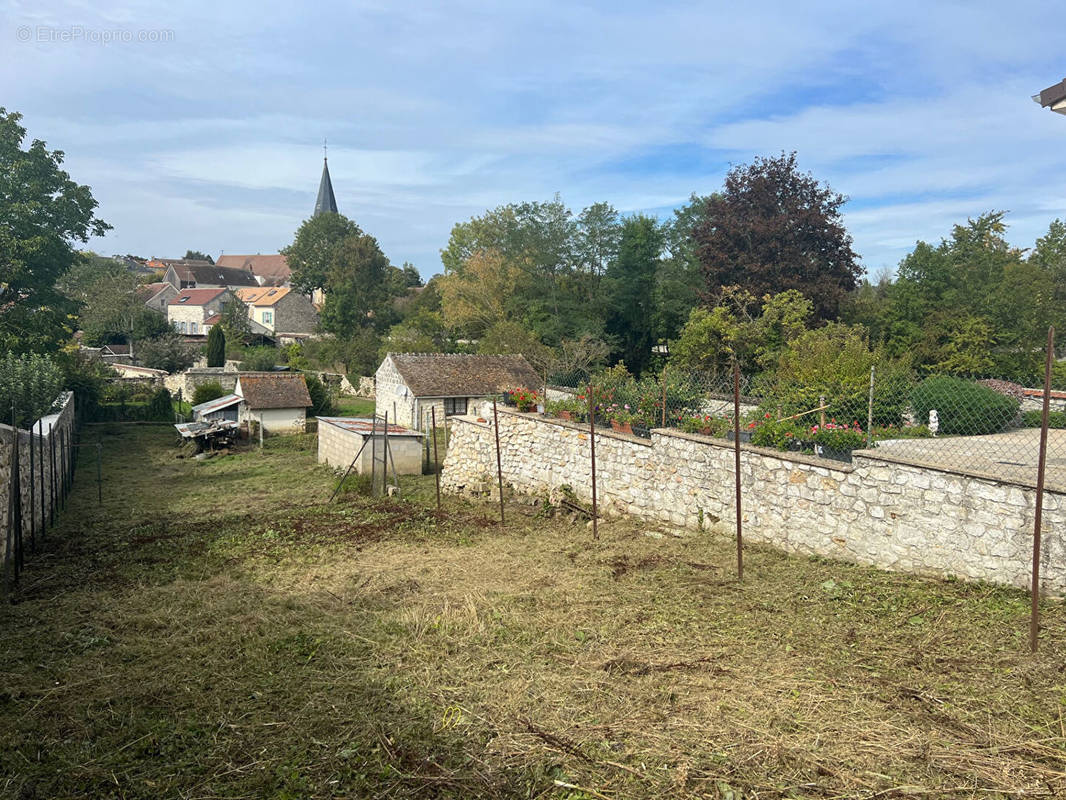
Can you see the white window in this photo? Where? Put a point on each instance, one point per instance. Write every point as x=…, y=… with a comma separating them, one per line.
x=454, y=406
x=268, y=317
x=193, y=328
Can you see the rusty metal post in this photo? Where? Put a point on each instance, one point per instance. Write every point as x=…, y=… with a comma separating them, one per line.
x=736, y=468
x=499, y=461
x=99, y=474
x=33, y=497
x=592, y=446
x=40, y=469
x=664, y=396
x=870, y=413
x=385, y=457
x=52, y=473
x=1034, y=616
x=436, y=458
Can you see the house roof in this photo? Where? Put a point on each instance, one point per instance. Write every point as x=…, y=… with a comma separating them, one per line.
x=214, y=275
x=179, y=262
x=138, y=370
x=195, y=297
x=365, y=425
x=273, y=390
x=273, y=268
x=117, y=349
x=263, y=296
x=217, y=404
x=459, y=375
x=214, y=319
x=147, y=291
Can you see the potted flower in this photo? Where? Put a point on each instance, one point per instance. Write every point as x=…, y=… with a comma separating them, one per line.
x=525, y=399
x=836, y=441
x=570, y=409
x=621, y=417
x=704, y=424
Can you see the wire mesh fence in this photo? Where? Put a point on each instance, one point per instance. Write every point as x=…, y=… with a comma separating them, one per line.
x=985, y=426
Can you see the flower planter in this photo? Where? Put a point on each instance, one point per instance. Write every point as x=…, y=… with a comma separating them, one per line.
x=622, y=427
x=526, y=408
x=507, y=399
x=833, y=455
x=745, y=436
x=567, y=415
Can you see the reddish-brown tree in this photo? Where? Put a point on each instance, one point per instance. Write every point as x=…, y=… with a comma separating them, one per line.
x=774, y=228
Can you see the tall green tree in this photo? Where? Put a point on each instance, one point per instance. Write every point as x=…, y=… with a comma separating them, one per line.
x=630, y=284
x=42, y=214
x=197, y=255
x=216, y=347
x=313, y=252
x=774, y=228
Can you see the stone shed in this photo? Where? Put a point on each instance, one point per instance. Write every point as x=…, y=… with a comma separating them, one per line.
x=409, y=385
x=340, y=439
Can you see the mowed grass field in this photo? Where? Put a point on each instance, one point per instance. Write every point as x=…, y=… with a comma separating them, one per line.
x=217, y=629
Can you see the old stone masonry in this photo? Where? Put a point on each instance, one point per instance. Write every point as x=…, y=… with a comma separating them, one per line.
x=877, y=510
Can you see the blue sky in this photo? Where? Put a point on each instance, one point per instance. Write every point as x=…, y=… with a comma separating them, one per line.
x=207, y=134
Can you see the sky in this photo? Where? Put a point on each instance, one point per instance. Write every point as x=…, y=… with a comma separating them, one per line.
x=200, y=125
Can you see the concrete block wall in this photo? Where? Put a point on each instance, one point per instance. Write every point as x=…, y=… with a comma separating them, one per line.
x=876, y=511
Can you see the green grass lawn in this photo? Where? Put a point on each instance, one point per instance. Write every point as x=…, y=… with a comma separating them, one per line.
x=216, y=629
x=348, y=406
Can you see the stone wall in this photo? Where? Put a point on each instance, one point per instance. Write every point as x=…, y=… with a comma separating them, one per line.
x=186, y=382
x=875, y=511
x=58, y=426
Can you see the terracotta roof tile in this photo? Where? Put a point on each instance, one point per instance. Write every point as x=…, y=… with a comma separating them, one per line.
x=195, y=297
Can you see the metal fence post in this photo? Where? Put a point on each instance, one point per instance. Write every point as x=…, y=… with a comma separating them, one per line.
x=33, y=498
x=52, y=472
x=592, y=448
x=99, y=475
x=736, y=468
x=1034, y=616
x=40, y=468
x=499, y=460
x=436, y=458
x=870, y=412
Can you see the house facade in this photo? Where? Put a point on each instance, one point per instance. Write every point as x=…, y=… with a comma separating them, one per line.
x=276, y=400
x=410, y=386
x=194, y=311
x=280, y=310
x=157, y=295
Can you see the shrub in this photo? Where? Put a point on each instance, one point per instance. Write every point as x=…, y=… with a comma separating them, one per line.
x=1034, y=419
x=212, y=390
x=29, y=387
x=577, y=410
x=259, y=359
x=161, y=408
x=838, y=437
x=964, y=408
x=321, y=397
x=780, y=435
x=525, y=399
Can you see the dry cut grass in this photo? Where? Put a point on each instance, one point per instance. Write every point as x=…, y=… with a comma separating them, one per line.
x=216, y=630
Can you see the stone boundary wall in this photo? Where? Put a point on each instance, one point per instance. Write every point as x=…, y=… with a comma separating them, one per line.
x=186, y=382
x=61, y=421
x=875, y=511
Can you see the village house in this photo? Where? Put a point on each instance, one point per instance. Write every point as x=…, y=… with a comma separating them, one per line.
x=205, y=275
x=157, y=295
x=283, y=312
x=195, y=311
x=278, y=401
x=409, y=385
x=269, y=270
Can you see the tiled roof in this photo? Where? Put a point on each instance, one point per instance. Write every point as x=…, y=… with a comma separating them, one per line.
x=458, y=375
x=263, y=296
x=138, y=370
x=272, y=267
x=117, y=349
x=147, y=291
x=273, y=390
x=214, y=319
x=366, y=425
x=195, y=297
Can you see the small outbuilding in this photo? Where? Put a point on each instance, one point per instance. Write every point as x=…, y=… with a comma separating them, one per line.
x=276, y=400
x=340, y=439
x=409, y=385
x=226, y=407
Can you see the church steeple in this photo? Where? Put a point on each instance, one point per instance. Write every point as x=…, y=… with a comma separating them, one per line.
x=326, y=202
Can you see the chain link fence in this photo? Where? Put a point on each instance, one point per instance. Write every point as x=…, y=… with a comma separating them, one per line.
x=984, y=426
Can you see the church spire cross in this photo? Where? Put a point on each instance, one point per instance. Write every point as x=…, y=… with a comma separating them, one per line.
x=326, y=203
